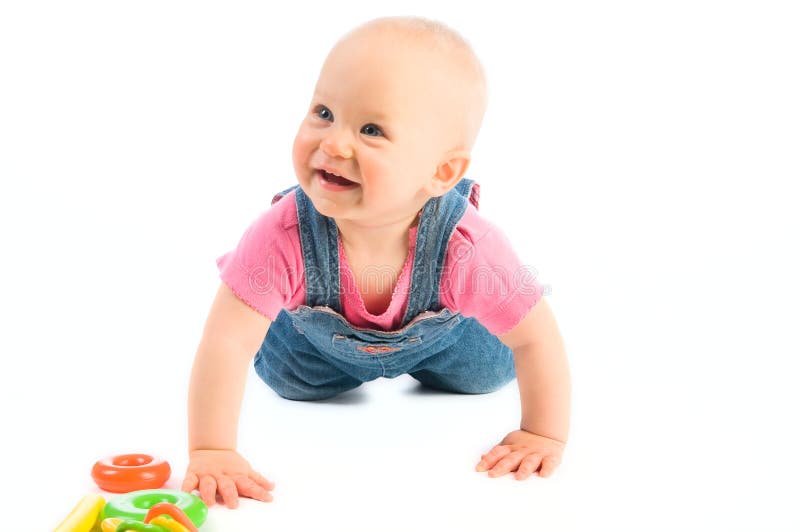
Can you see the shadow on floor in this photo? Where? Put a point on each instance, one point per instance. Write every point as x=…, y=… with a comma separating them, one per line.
x=421, y=389
x=350, y=397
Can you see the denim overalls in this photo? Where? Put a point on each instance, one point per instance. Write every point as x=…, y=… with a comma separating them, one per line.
x=314, y=353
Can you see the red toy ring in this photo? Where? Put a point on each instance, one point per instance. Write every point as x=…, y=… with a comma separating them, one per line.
x=130, y=472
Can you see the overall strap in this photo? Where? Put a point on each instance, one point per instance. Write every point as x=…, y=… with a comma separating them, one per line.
x=320, y=246
x=282, y=193
x=319, y=239
x=438, y=220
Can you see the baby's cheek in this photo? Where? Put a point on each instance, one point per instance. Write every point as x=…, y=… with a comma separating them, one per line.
x=298, y=146
x=304, y=144
x=381, y=169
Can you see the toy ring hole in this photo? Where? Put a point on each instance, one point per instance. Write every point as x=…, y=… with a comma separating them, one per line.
x=132, y=460
x=147, y=501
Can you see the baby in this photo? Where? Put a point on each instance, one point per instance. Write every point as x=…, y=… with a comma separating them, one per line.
x=377, y=264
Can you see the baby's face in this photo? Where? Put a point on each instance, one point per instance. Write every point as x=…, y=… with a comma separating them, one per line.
x=379, y=118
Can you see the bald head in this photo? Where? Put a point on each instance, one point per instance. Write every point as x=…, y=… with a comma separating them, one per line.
x=442, y=59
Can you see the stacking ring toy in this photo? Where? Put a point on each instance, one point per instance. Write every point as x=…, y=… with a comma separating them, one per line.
x=138, y=526
x=135, y=505
x=130, y=472
x=170, y=524
x=110, y=524
x=170, y=510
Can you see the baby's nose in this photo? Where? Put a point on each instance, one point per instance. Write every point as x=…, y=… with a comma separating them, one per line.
x=337, y=145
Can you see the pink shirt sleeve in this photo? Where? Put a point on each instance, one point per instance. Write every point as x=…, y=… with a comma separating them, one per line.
x=483, y=277
x=265, y=270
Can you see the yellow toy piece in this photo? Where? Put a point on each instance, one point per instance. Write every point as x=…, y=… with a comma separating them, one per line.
x=84, y=516
x=110, y=524
x=170, y=524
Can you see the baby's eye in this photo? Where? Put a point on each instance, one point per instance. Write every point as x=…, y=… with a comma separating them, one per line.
x=324, y=113
x=372, y=130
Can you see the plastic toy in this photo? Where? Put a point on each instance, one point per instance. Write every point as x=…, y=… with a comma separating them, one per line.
x=83, y=517
x=110, y=524
x=137, y=526
x=135, y=506
x=170, y=524
x=165, y=508
x=130, y=472
x=159, y=523
x=156, y=520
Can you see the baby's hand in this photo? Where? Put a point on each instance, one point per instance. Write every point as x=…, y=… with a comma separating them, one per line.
x=523, y=452
x=226, y=472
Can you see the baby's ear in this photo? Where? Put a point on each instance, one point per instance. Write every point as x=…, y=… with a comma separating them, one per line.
x=449, y=172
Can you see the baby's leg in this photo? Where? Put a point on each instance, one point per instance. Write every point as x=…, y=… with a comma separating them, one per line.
x=477, y=363
x=293, y=367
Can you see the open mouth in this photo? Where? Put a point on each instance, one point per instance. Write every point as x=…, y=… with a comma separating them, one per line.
x=336, y=179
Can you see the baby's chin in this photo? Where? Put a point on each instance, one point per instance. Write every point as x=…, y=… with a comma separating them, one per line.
x=331, y=203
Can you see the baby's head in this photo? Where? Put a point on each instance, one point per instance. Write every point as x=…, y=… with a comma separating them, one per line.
x=396, y=110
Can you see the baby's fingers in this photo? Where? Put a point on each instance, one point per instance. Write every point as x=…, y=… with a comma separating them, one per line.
x=528, y=465
x=249, y=488
x=227, y=489
x=489, y=459
x=208, y=489
x=189, y=483
x=261, y=481
x=509, y=463
x=548, y=466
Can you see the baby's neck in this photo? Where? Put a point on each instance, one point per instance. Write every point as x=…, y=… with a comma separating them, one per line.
x=378, y=240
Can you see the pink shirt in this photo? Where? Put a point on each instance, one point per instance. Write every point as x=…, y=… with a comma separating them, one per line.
x=482, y=277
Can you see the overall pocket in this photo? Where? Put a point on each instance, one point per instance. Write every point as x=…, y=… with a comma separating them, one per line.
x=422, y=332
x=355, y=346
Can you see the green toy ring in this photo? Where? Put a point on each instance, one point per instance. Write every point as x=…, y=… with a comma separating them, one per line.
x=138, y=526
x=134, y=505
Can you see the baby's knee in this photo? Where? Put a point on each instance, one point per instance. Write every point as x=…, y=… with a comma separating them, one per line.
x=306, y=395
x=479, y=383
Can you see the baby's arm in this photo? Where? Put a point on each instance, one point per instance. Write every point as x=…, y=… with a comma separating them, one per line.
x=232, y=335
x=544, y=387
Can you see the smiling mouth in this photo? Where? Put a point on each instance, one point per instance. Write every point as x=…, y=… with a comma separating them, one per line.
x=336, y=179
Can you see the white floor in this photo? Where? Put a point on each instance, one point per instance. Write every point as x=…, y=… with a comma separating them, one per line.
x=659, y=445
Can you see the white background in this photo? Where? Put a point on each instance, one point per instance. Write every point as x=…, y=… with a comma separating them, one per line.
x=642, y=156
